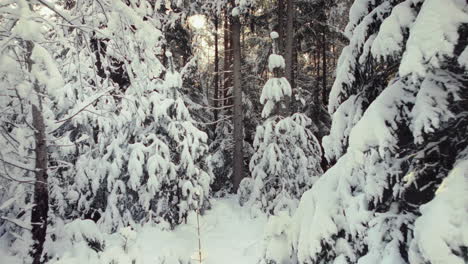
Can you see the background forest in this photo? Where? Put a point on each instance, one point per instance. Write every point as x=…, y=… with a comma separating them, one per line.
x=320, y=131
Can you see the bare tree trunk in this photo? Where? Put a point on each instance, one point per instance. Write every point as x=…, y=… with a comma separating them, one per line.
x=227, y=56
x=216, y=69
x=324, y=68
x=295, y=64
x=280, y=14
x=318, y=90
x=238, y=159
x=231, y=62
x=317, y=64
x=289, y=51
x=41, y=194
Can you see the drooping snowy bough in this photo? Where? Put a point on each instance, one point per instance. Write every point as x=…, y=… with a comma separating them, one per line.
x=397, y=193
x=136, y=155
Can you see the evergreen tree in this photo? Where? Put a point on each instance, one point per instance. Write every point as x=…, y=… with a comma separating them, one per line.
x=136, y=158
x=393, y=160
x=189, y=188
x=105, y=127
x=287, y=156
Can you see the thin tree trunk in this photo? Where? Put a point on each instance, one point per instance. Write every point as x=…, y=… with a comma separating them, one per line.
x=295, y=71
x=227, y=62
x=216, y=69
x=289, y=51
x=289, y=40
x=317, y=64
x=280, y=14
x=41, y=194
x=318, y=89
x=238, y=159
x=231, y=61
x=324, y=68
x=242, y=41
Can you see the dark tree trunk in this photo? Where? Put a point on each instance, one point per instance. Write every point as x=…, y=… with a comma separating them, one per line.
x=41, y=194
x=317, y=62
x=289, y=51
x=238, y=159
x=296, y=51
x=227, y=56
x=324, y=68
x=280, y=14
x=231, y=62
x=317, y=88
x=216, y=69
x=288, y=73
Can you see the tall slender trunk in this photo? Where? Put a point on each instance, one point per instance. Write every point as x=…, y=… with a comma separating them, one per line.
x=238, y=159
x=317, y=64
x=318, y=90
x=41, y=194
x=231, y=61
x=216, y=70
x=280, y=14
x=295, y=72
x=288, y=73
x=242, y=41
x=324, y=67
x=227, y=56
x=289, y=51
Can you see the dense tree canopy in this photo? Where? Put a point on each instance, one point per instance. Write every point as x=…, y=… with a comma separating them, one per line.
x=342, y=123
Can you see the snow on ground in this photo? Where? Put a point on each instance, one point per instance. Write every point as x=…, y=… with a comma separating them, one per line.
x=229, y=235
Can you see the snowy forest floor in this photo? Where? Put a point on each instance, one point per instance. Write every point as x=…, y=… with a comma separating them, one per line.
x=228, y=234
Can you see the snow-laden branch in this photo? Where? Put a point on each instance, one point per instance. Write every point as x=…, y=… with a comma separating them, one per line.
x=217, y=108
x=215, y=122
x=84, y=107
x=9, y=178
x=17, y=222
x=44, y=3
x=18, y=165
x=221, y=99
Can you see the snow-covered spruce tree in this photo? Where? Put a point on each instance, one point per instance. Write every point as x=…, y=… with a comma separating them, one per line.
x=87, y=99
x=124, y=163
x=31, y=80
x=220, y=157
x=16, y=154
x=287, y=156
x=180, y=39
x=398, y=119
x=189, y=188
x=123, y=169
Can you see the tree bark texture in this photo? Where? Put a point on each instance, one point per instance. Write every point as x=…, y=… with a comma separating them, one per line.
x=281, y=25
x=216, y=70
x=289, y=51
x=41, y=194
x=227, y=57
x=324, y=67
x=238, y=159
